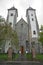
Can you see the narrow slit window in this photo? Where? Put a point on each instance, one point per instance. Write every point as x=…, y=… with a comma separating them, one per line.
x=32, y=19
x=31, y=14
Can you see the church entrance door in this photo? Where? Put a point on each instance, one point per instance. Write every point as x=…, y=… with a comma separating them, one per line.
x=22, y=50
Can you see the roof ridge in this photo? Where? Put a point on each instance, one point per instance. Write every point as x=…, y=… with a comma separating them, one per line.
x=12, y=8
x=30, y=8
x=23, y=20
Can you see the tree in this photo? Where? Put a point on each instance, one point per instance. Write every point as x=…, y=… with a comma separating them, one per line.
x=6, y=32
x=1, y=30
x=41, y=35
x=41, y=29
x=2, y=19
x=11, y=34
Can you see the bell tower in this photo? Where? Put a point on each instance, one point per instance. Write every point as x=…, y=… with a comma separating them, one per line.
x=33, y=28
x=12, y=16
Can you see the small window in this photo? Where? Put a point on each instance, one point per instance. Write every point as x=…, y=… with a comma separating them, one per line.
x=34, y=32
x=27, y=43
x=11, y=14
x=10, y=23
x=32, y=19
x=31, y=14
x=9, y=43
x=22, y=25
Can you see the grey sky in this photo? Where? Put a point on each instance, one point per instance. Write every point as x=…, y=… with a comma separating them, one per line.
x=22, y=5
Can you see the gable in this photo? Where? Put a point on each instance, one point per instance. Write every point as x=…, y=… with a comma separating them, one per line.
x=21, y=21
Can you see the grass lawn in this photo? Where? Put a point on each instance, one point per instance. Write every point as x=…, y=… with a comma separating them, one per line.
x=38, y=56
x=15, y=56
x=28, y=56
x=4, y=56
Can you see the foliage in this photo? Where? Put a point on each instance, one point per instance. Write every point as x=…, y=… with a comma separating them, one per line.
x=39, y=56
x=6, y=32
x=41, y=34
x=3, y=56
x=28, y=56
x=14, y=38
x=41, y=27
x=2, y=19
x=41, y=37
x=15, y=56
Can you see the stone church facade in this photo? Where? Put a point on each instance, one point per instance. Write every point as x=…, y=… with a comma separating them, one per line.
x=27, y=31
x=22, y=31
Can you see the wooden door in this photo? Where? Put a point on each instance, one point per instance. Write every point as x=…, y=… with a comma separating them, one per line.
x=22, y=50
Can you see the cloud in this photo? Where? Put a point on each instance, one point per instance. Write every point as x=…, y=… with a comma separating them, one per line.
x=26, y=3
x=22, y=5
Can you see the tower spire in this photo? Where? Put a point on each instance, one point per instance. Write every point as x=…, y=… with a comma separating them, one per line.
x=29, y=3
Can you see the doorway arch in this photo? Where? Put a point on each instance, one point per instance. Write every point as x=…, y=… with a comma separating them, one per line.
x=22, y=49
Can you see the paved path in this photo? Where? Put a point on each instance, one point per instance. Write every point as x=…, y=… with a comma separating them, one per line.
x=21, y=63
x=21, y=58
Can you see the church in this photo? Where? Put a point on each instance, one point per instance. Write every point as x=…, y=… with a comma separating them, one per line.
x=27, y=31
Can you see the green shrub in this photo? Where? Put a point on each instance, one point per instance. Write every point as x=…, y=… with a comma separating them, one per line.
x=3, y=56
x=15, y=56
x=28, y=56
x=39, y=56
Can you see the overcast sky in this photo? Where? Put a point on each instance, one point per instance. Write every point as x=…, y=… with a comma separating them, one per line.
x=22, y=5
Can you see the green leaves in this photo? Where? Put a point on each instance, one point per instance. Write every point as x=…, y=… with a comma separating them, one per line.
x=2, y=19
x=41, y=34
x=6, y=32
x=14, y=38
x=41, y=27
x=41, y=37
